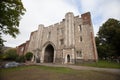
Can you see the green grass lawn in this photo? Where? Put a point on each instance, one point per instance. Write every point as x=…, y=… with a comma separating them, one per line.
x=102, y=64
x=53, y=73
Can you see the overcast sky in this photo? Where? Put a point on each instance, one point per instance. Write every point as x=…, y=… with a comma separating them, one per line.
x=48, y=12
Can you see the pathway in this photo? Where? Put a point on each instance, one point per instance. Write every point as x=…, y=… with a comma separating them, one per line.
x=117, y=71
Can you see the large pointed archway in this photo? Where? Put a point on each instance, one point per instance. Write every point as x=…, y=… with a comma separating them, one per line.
x=49, y=54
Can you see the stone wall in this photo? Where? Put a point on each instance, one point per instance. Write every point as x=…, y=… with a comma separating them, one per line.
x=22, y=49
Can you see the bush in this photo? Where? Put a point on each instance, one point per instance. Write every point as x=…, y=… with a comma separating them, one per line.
x=20, y=58
x=10, y=54
x=28, y=56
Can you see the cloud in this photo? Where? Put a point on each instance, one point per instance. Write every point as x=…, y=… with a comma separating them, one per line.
x=45, y=12
x=49, y=12
x=110, y=9
x=101, y=10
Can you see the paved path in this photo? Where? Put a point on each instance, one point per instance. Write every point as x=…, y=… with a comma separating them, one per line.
x=117, y=71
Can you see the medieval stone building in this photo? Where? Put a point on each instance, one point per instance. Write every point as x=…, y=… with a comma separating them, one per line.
x=69, y=41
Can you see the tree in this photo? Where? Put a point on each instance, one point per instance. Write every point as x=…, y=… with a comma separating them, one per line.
x=29, y=55
x=101, y=49
x=10, y=54
x=108, y=39
x=10, y=15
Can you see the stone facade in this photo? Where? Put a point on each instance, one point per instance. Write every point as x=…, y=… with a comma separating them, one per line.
x=22, y=49
x=70, y=41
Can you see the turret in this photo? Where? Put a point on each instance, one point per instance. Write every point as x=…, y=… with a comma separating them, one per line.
x=39, y=35
x=69, y=29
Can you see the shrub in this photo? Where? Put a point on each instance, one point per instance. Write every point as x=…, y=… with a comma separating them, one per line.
x=10, y=54
x=28, y=56
x=20, y=58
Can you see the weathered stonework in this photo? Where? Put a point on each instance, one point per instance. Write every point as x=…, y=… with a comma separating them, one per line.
x=70, y=41
x=22, y=49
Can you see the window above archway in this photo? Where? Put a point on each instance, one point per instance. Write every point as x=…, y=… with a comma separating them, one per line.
x=49, y=35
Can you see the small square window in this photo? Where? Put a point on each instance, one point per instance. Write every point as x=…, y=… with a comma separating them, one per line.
x=61, y=41
x=79, y=54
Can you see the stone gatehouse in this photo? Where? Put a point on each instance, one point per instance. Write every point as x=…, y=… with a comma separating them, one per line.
x=69, y=41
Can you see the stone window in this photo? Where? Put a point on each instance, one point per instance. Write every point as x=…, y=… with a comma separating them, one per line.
x=61, y=41
x=22, y=49
x=49, y=34
x=81, y=38
x=80, y=28
x=61, y=31
x=79, y=53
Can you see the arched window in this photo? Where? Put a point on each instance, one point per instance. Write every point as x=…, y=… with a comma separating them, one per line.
x=49, y=35
x=68, y=58
x=80, y=28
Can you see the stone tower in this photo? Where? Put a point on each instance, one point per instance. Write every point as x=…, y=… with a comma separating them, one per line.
x=68, y=42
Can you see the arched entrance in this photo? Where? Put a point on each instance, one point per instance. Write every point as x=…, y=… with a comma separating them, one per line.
x=49, y=54
x=68, y=58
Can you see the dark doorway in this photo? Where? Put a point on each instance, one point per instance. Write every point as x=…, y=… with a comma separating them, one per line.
x=49, y=54
x=68, y=58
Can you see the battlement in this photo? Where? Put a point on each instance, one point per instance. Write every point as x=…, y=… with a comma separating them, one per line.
x=69, y=13
x=86, y=17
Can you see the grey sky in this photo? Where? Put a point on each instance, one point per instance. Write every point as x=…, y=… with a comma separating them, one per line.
x=49, y=12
